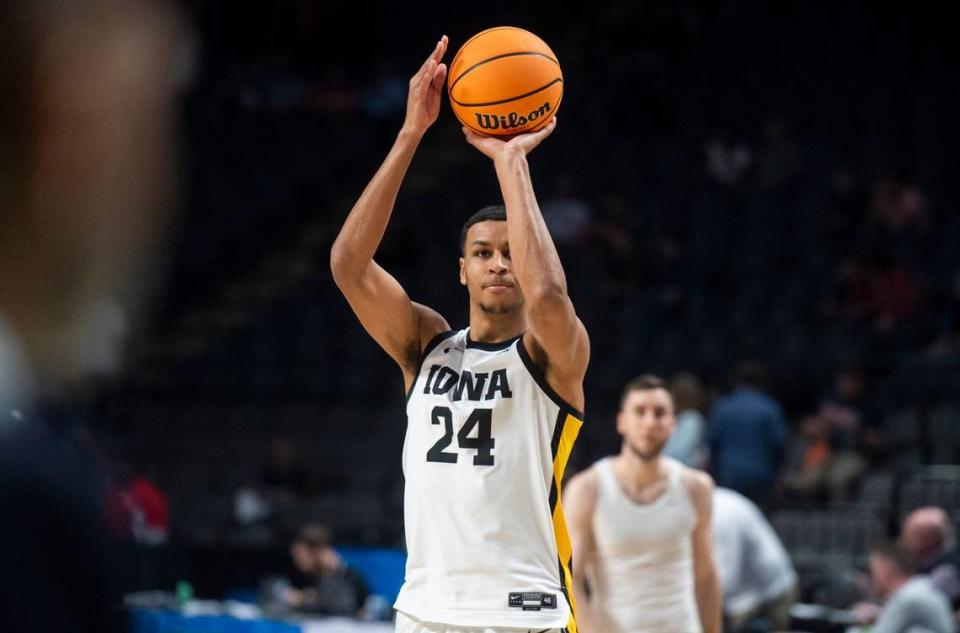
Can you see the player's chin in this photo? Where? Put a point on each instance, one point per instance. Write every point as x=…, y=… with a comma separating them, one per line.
x=500, y=307
x=647, y=451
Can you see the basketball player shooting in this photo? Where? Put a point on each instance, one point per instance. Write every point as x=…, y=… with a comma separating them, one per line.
x=640, y=524
x=492, y=410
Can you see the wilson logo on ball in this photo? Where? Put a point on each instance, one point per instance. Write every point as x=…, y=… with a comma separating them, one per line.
x=511, y=120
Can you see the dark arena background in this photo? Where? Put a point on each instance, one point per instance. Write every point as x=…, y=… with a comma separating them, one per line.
x=738, y=186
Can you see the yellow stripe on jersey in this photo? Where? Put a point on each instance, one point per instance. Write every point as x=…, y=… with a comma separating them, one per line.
x=568, y=435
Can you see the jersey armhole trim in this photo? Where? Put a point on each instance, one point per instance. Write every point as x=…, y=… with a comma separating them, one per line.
x=436, y=340
x=541, y=381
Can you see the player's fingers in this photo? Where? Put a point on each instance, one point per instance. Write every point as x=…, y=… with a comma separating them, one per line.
x=439, y=76
x=424, y=79
x=437, y=51
x=539, y=135
x=472, y=137
x=440, y=49
x=418, y=76
x=547, y=131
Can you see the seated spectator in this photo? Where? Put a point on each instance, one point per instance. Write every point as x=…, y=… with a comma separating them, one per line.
x=852, y=429
x=688, y=443
x=808, y=465
x=138, y=510
x=910, y=602
x=755, y=571
x=327, y=585
x=928, y=537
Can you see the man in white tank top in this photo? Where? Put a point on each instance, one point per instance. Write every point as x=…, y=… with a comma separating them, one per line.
x=492, y=409
x=640, y=527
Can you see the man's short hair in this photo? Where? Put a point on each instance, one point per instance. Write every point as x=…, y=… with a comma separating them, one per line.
x=896, y=555
x=496, y=212
x=645, y=382
x=314, y=536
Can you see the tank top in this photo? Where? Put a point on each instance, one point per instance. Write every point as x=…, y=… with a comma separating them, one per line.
x=642, y=580
x=486, y=445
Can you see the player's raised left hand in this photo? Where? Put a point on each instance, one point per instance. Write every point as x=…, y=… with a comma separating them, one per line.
x=426, y=88
x=494, y=147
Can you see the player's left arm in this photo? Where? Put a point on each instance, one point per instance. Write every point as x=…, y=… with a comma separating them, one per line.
x=559, y=344
x=708, y=591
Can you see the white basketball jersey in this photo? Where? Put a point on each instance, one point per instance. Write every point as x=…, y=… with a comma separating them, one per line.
x=642, y=581
x=486, y=445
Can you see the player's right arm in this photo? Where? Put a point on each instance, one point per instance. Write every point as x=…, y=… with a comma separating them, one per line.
x=397, y=324
x=579, y=502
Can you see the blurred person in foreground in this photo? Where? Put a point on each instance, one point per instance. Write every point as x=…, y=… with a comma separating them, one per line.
x=928, y=537
x=758, y=579
x=327, y=585
x=748, y=437
x=910, y=603
x=640, y=528
x=86, y=127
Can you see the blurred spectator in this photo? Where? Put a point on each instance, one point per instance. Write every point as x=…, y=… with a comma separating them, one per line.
x=688, y=443
x=727, y=161
x=326, y=584
x=748, y=437
x=853, y=431
x=910, y=603
x=86, y=133
x=755, y=571
x=898, y=209
x=808, y=463
x=928, y=537
x=139, y=510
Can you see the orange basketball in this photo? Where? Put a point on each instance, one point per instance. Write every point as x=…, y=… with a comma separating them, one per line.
x=504, y=81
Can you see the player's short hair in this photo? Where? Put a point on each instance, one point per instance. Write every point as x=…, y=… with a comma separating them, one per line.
x=896, y=555
x=496, y=212
x=645, y=382
x=314, y=536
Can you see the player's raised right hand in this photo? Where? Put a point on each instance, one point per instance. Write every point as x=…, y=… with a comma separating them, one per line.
x=423, y=99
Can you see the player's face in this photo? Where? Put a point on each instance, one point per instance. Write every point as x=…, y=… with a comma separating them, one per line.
x=487, y=271
x=646, y=421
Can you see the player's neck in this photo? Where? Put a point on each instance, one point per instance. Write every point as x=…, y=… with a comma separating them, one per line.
x=495, y=328
x=637, y=471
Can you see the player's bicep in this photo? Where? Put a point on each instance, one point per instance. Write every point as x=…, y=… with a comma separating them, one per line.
x=395, y=322
x=561, y=335
x=701, y=488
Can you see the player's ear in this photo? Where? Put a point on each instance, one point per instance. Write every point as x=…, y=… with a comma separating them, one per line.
x=463, y=275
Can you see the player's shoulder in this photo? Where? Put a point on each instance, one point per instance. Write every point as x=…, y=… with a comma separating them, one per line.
x=584, y=484
x=699, y=483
